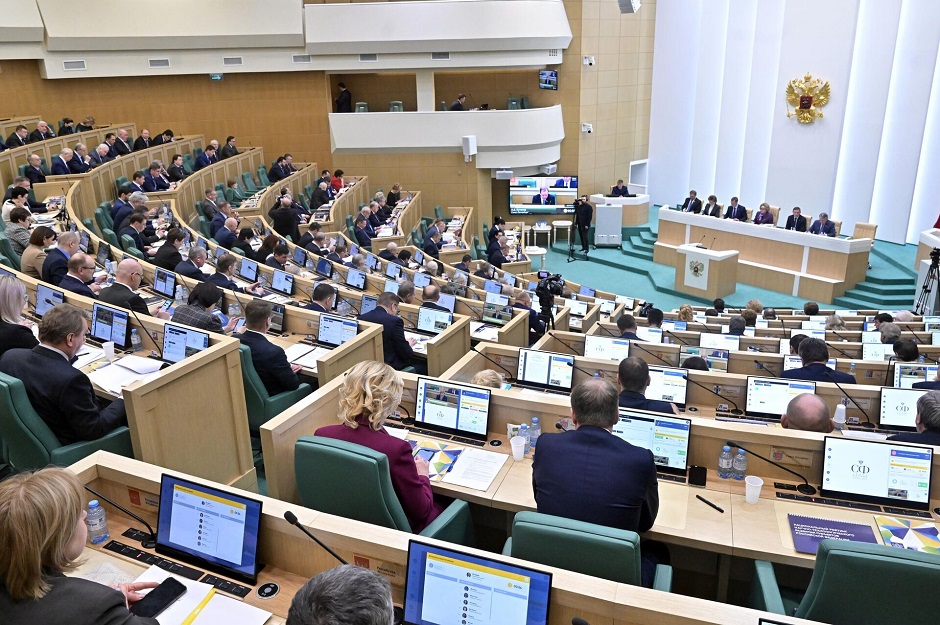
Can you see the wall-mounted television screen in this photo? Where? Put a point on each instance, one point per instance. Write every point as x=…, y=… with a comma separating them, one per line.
x=543, y=195
x=548, y=79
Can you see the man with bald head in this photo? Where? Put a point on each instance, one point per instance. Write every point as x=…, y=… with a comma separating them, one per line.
x=60, y=164
x=123, y=145
x=123, y=292
x=809, y=413
x=42, y=132
x=430, y=295
x=228, y=233
x=34, y=169
x=81, y=276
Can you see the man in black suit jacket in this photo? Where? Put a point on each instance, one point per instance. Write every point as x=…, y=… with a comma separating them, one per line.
x=225, y=271
x=168, y=256
x=536, y=325
x=344, y=99
x=34, y=170
x=736, y=211
x=627, y=326
x=796, y=221
x=464, y=264
x=18, y=138
x=593, y=476
x=430, y=246
x=396, y=348
x=60, y=164
x=100, y=155
x=226, y=235
x=620, y=190
x=81, y=276
x=123, y=292
x=122, y=143
x=56, y=264
x=80, y=162
x=359, y=230
x=143, y=141
x=137, y=224
x=692, y=204
x=322, y=298
x=228, y=150
x=429, y=296
x=320, y=195
x=269, y=360
x=633, y=375
x=815, y=355
x=583, y=213
x=543, y=198
x=192, y=266
x=278, y=170
x=498, y=257
x=390, y=253
x=42, y=132
x=59, y=393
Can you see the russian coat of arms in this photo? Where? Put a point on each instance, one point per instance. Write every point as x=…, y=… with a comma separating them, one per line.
x=697, y=268
x=807, y=96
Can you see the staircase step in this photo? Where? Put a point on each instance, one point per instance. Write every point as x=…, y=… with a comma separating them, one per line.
x=866, y=301
x=885, y=290
x=891, y=281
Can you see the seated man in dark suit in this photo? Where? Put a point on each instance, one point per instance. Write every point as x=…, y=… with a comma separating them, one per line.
x=627, y=326
x=692, y=204
x=228, y=150
x=736, y=326
x=396, y=347
x=123, y=292
x=362, y=237
x=18, y=138
x=814, y=354
x=218, y=219
x=121, y=207
x=536, y=325
x=338, y=253
x=168, y=256
x=137, y=182
x=543, y=198
x=80, y=162
x=209, y=206
x=498, y=257
x=60, y=164
x=495, y=244
x=429, y=296
x=620, y=190
x=59, y=393
x=192, y=266
x=285, y=219
x=205, y=159
x=796, y=221
x=137, y=224
x=154, y=180
x=100, y=155
x=430, y=246
x=590, y=475
x=736, y=211
x=269, y=360
x=175, y=171
x=34, y=170
x=322, y=298
x=823, y=226
x=227, y=235
x=81, y=276
x=278, y=170
x=56, y=264
x=225, y=271
x=143, y=141
x=42, y=132
x=390, y=253
x=634, y=376
x=927, y=421
x=320, y=196
x=464, y=264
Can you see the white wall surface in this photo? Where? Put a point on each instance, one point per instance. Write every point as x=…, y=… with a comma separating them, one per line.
x=873, y=157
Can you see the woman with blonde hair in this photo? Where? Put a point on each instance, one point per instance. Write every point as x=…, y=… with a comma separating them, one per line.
x=42, y=535
x=685, y=313
x=835, y=322
x=15, y=331
x=487, y=377
x=371, y=392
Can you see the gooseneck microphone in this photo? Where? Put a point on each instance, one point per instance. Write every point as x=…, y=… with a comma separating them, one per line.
x=646, y=351
x=147, y=543
x=766, y=368
x=616, y=336
x=838, y=350
x=868, y=422
x=736, y=411
x=705, y=325
x=804, y=488
x=565, y=343
x=916, y=338
x=144, y=329
x=678, y=338
x=839, y=335
x=571, y=364
x=292, y=519
x=509, y=378
x=888, y=370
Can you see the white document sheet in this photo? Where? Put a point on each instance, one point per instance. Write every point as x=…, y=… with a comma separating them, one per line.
x=476, y=469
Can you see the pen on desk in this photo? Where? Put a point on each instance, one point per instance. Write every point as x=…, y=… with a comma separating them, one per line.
x=700, y=498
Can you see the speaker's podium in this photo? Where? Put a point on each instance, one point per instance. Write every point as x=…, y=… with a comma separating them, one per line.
x=706, y=273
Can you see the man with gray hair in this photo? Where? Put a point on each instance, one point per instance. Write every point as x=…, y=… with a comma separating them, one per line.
x=320, y=196
x=192, y=266
x=42, y=132
x=736, y=326
x=927, y=422
x=823, y=226
x=815, y=356
x=60, y=164
x=343, y=595
x=81, y=161
x=591, y=475
x=101, y=155
x=809, y=413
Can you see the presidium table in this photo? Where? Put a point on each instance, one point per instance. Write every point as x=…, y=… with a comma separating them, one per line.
x=808, y=266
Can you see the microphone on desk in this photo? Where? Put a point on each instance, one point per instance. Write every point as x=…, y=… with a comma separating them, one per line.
x=711, y=245
x=704, y=325
x=761, y=366
x=916, y=338
x=292, y=519
x=509, y=379
x=147, y=543
x=699, y=244
x=838, y=350
x=678, y=338
x=643, y=349
x=566, y=344
x=888, y=371
x=736, y=411
x=868, y=422
x=144, y=329
x=609, y=332
x=571, y=364
x=351, y=305
x=839, y=335
x=804, y=488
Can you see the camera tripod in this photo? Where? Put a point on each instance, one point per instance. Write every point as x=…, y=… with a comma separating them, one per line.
x=930, y=282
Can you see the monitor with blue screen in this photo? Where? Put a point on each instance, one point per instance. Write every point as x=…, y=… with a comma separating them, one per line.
x=334, y=331
x=109, y=324
x=391, y=286
x=180, y=342
x=368, y=304
x=420, y=279
x=879, y=472
x=372, y=262
x=164, y=282
x=393, y=270
x=419, y=257
x=666, y=437
x=356, y=279
x=300, y=256
x=248, y=270
x=47, y=298
x=586, y=290
x=324, y=267
x=769, y=397
x=492, y=286
x=282, y=282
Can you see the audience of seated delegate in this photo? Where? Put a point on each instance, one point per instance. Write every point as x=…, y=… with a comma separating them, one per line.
x=809, y=413
x=197, y=311
x=344, y=595
x=429, y=296
x=736, y=326
x=823, y=226
x=626, y=324
x=815, y=354
x=55, y=266
x=59, y=393
x=269, y=360
x=15, y=330
x=370, y=393
x=633, y=375
x=536, y=325
x=123, y=291
x=34, y=257
x=224, y=274
x=322, y=298
x=81, y=276
x=42, y=520
x=168, y=255
x=223, y=212
x=396, y=346
x=927, y=422
x=593, y=476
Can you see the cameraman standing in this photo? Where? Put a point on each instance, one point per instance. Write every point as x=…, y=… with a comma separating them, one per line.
x=583, y=212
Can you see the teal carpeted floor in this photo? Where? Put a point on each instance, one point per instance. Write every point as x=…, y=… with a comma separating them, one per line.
x=631, y=271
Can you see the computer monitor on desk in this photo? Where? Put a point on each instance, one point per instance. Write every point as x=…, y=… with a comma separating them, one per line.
x=578, y=308
x=610, y=348
x=877, y=351
x=356, y=279
x=715, y=358
x=334, y=331
x=667, y=384
x=899, y=408
x=369, y=303
x=282, y=283
x=650, y=335
x=545, y=370
x=727, y=342
x=453, y=409
x=164, y=282
x=180, y=342
x=248, y=270
x=47, y=298
x=431, y=321
x=324, y=267
x=420, y=280
x=768, y=397
x=906, y=374
x=109, y=324
x=667, y=437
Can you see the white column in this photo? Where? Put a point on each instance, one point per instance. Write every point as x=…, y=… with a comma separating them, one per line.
x=424, y=79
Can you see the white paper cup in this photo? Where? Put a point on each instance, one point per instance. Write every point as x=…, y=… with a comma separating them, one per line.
x=108, y=347
x=752, y=485
x=518, y=447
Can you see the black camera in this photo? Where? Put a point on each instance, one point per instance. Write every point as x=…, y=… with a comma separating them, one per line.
x=547, y=290
x=935, y=255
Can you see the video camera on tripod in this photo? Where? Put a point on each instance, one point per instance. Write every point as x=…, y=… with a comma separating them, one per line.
x=548, y=288
x=922, y=306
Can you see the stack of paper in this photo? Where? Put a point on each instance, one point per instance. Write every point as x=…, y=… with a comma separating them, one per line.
x=88, y=355
x=113, y=379
x=476, y=469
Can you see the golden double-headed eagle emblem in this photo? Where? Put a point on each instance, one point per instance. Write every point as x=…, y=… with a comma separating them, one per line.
x=807, y=96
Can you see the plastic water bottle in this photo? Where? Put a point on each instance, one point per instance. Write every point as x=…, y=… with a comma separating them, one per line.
x=725, y=462
x=524, y=433
x=534, y=432
x=136, y=343
x=178, y=300
x=234, y=310
x=97, y=523
x=739, y=466
x=185, y=294
x=852, y=369
x=838, y=419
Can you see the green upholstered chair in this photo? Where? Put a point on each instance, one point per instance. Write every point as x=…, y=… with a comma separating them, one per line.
x=351, y=226
x=220, y=189
x=261, y=406
x=6, y=248
x=90, y=225
x=6, y=262
x=897, y=589
x=249, y=183
x=111, y=238
x=3, y=225
x=127, y=243
x=119, y=182
x=196, y=152
x=362, y=107
x=189, y=164
x=415, y=239
x=481, y=249
x=103, y=217
x=396, y=106
x=422, y=229
x=354, y=482
x=136, y=253
x=439, y=212
x=203, y=224
x=263, y=179
x=587, y=548
x=486, y=232
x=32, y=445
x=21, y=170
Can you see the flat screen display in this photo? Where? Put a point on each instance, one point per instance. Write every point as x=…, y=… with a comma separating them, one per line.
x=497, y=298
x=722, y=341
x=871, y=337
x=628, y=302
x=164, y=282
x=209, y=527
x=104, y=253
x=769, y=397
x=300, y=256
x=334, y=331
x=795, y=362
x=248, y=270
x=421, y=280
x=899, y=407
x=545, y=369
x=606, y=347
x=667, y=384
x=906, y=374
x=877, y=351
x=393, y=270
x=282, y=282
x=577, y=308
x=447, y=301
x=548, y=79
x=715, y=358
x=109, y=324
x=368, y=304
x=878, y=472
x=372, y=262
x=587, y=291
x=675, y=326
x=492, y=286
x=453, y=408
x=650, y=335
x=277, y=318
x=433, y=321
x=47, y=298
x=543, y=195
x=607, y=307
x=324, y=267
x=497, y=315
x=356, y=279
x=419, y=257
x=180, y=342
x=666, y=437
x=447, y=586
x=391, y=286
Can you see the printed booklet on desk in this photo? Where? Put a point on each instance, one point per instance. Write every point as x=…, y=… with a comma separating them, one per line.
x=808, y=532
x=907, y=534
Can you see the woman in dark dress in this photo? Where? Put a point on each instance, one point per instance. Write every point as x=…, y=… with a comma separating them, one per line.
x=15, y=330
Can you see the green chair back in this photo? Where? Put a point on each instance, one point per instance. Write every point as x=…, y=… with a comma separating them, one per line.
x=22, y=169
x=347, y=480
x=204, y=225
x=6, y=262
x=422, y=229
x=481, y=249
x=3, y=225
x=473, y=248
x=586, y=548
x=220, y=188
x=415, y=239
x=127, y=243
x=261, y=406
x=103, y=217
x=362, y=107
x=90, y=225
x=111, y=238
x=525, y=102
x=263, y=179
x=439, y=212
x=249, y=183
x=136, y=253
x=119, y=182
x=229, y=194
x=6, y=248
x=196, y=152
x=514, y=104
x=396, y=106
x=189, y=164
x=351, y=226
